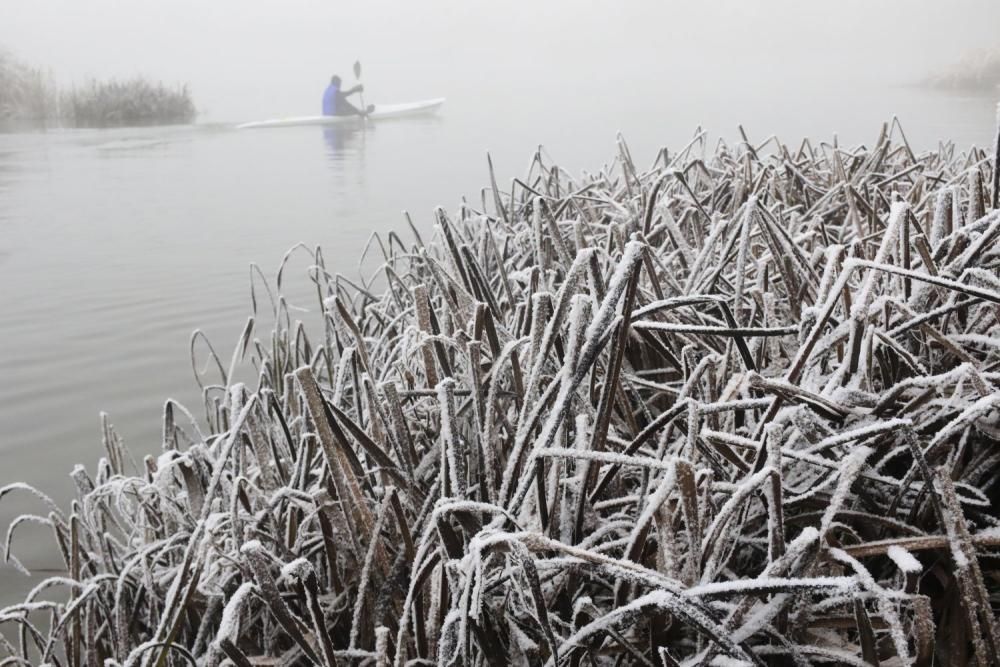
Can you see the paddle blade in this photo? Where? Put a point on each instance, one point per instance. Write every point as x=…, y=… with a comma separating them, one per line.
x=357, y=69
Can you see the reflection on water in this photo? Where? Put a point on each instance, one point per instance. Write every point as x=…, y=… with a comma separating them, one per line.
x=131, y=144
x=7, y=161
x=339, y=140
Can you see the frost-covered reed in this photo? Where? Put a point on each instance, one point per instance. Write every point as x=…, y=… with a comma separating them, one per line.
x=736, y=408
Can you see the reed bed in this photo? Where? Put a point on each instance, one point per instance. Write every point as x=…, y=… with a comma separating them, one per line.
x=30, y=95
x=26, y=93
x=133, y=102
x=736, y=408
x=977, y=71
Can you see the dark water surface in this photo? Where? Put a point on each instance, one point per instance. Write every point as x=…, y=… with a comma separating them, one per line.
x=115, y=245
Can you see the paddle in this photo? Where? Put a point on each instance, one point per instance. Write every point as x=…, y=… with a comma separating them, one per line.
x=357, y=75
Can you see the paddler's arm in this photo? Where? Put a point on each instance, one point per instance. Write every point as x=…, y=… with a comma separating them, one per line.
x=356, y=89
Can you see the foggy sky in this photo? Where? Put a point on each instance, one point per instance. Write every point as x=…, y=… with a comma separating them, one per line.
x=248, y=59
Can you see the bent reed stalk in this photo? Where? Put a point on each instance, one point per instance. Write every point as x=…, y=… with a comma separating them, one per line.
x=730, y=409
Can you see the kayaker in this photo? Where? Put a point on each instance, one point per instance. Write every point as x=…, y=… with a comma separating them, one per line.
x=335, y=102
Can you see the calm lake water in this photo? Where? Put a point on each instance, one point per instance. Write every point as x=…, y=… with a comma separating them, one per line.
x=115, y=245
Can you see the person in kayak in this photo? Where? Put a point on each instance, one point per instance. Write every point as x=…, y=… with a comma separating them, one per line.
x=335, y=102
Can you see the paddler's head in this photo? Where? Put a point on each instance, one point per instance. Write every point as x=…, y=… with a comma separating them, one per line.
x=335, y=81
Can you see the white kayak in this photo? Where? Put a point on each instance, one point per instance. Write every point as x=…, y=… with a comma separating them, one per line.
x=379, y=112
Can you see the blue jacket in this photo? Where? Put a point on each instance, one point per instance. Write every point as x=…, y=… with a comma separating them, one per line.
x=330, y=96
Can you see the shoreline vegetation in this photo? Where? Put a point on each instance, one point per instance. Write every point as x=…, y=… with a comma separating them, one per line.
x=29, y=96
x=977, y=71
x=736, y=405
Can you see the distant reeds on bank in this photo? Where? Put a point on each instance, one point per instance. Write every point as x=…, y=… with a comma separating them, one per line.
x=976, y=71
x=737, y=407
x=29, y=95
x=26, y=93
x=132, y=102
